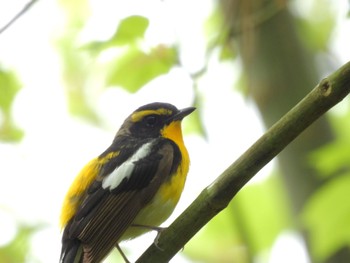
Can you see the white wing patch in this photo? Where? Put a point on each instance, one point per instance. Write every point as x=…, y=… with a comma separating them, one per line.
x=125, y=170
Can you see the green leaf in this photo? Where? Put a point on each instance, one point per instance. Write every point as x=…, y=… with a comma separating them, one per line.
x=227, y=52
x=9, y=86
x=17, y=250
x=327, y=216
x=135, y=68
x=130, y=29
x=10, y=132
x=331, y=158
x=128, y=32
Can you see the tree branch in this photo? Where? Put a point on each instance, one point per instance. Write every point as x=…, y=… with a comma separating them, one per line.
x=217, y=195
x=18, y=15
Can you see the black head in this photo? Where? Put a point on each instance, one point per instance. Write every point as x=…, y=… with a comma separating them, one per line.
x=149, y=120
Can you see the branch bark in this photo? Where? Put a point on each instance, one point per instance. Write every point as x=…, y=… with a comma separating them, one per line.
x=217, y=195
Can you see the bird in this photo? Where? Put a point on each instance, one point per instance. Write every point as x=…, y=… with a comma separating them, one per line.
x=129, y=189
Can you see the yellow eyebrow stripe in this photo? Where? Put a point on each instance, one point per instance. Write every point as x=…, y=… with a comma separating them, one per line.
x=137, y=116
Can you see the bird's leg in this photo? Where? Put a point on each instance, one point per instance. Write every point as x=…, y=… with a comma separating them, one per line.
x=122, y=254
x=155, y=228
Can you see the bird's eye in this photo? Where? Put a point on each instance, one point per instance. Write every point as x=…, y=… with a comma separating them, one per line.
x=151, y=120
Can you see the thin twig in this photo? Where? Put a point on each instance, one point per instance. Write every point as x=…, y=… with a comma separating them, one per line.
x=18, y=15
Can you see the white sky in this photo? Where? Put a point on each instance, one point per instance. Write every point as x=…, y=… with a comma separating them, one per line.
x=37, y=172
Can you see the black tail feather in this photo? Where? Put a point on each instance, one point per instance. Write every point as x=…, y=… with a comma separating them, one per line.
x=72, y=250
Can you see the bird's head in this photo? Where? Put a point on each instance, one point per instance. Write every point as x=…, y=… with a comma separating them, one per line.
x=154, y=120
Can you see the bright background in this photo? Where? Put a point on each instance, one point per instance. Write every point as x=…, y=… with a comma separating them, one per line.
x=60, y=137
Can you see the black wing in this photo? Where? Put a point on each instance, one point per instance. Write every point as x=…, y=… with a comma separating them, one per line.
x=105, y=214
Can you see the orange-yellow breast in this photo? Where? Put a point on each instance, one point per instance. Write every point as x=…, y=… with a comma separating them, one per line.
x=167, y=197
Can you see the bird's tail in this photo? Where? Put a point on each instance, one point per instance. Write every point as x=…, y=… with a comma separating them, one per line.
x=72, y=251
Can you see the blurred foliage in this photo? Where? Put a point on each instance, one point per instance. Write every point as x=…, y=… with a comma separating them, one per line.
x=333, y=158
x=194, y=122
x=320, y=16
x=260, y=212
x=218, y=241
x=9, y=86
x=239, y=231
x=16, y=251
x=270, y=214
x=75, y=74
x=129, y=70
x=76, y=13
x=218, y=38
x=129, y=31
x=327, y=214
x=76, y=66
x=134, y=67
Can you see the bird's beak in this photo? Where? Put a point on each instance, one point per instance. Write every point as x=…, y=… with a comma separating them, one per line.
x=182, y=114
